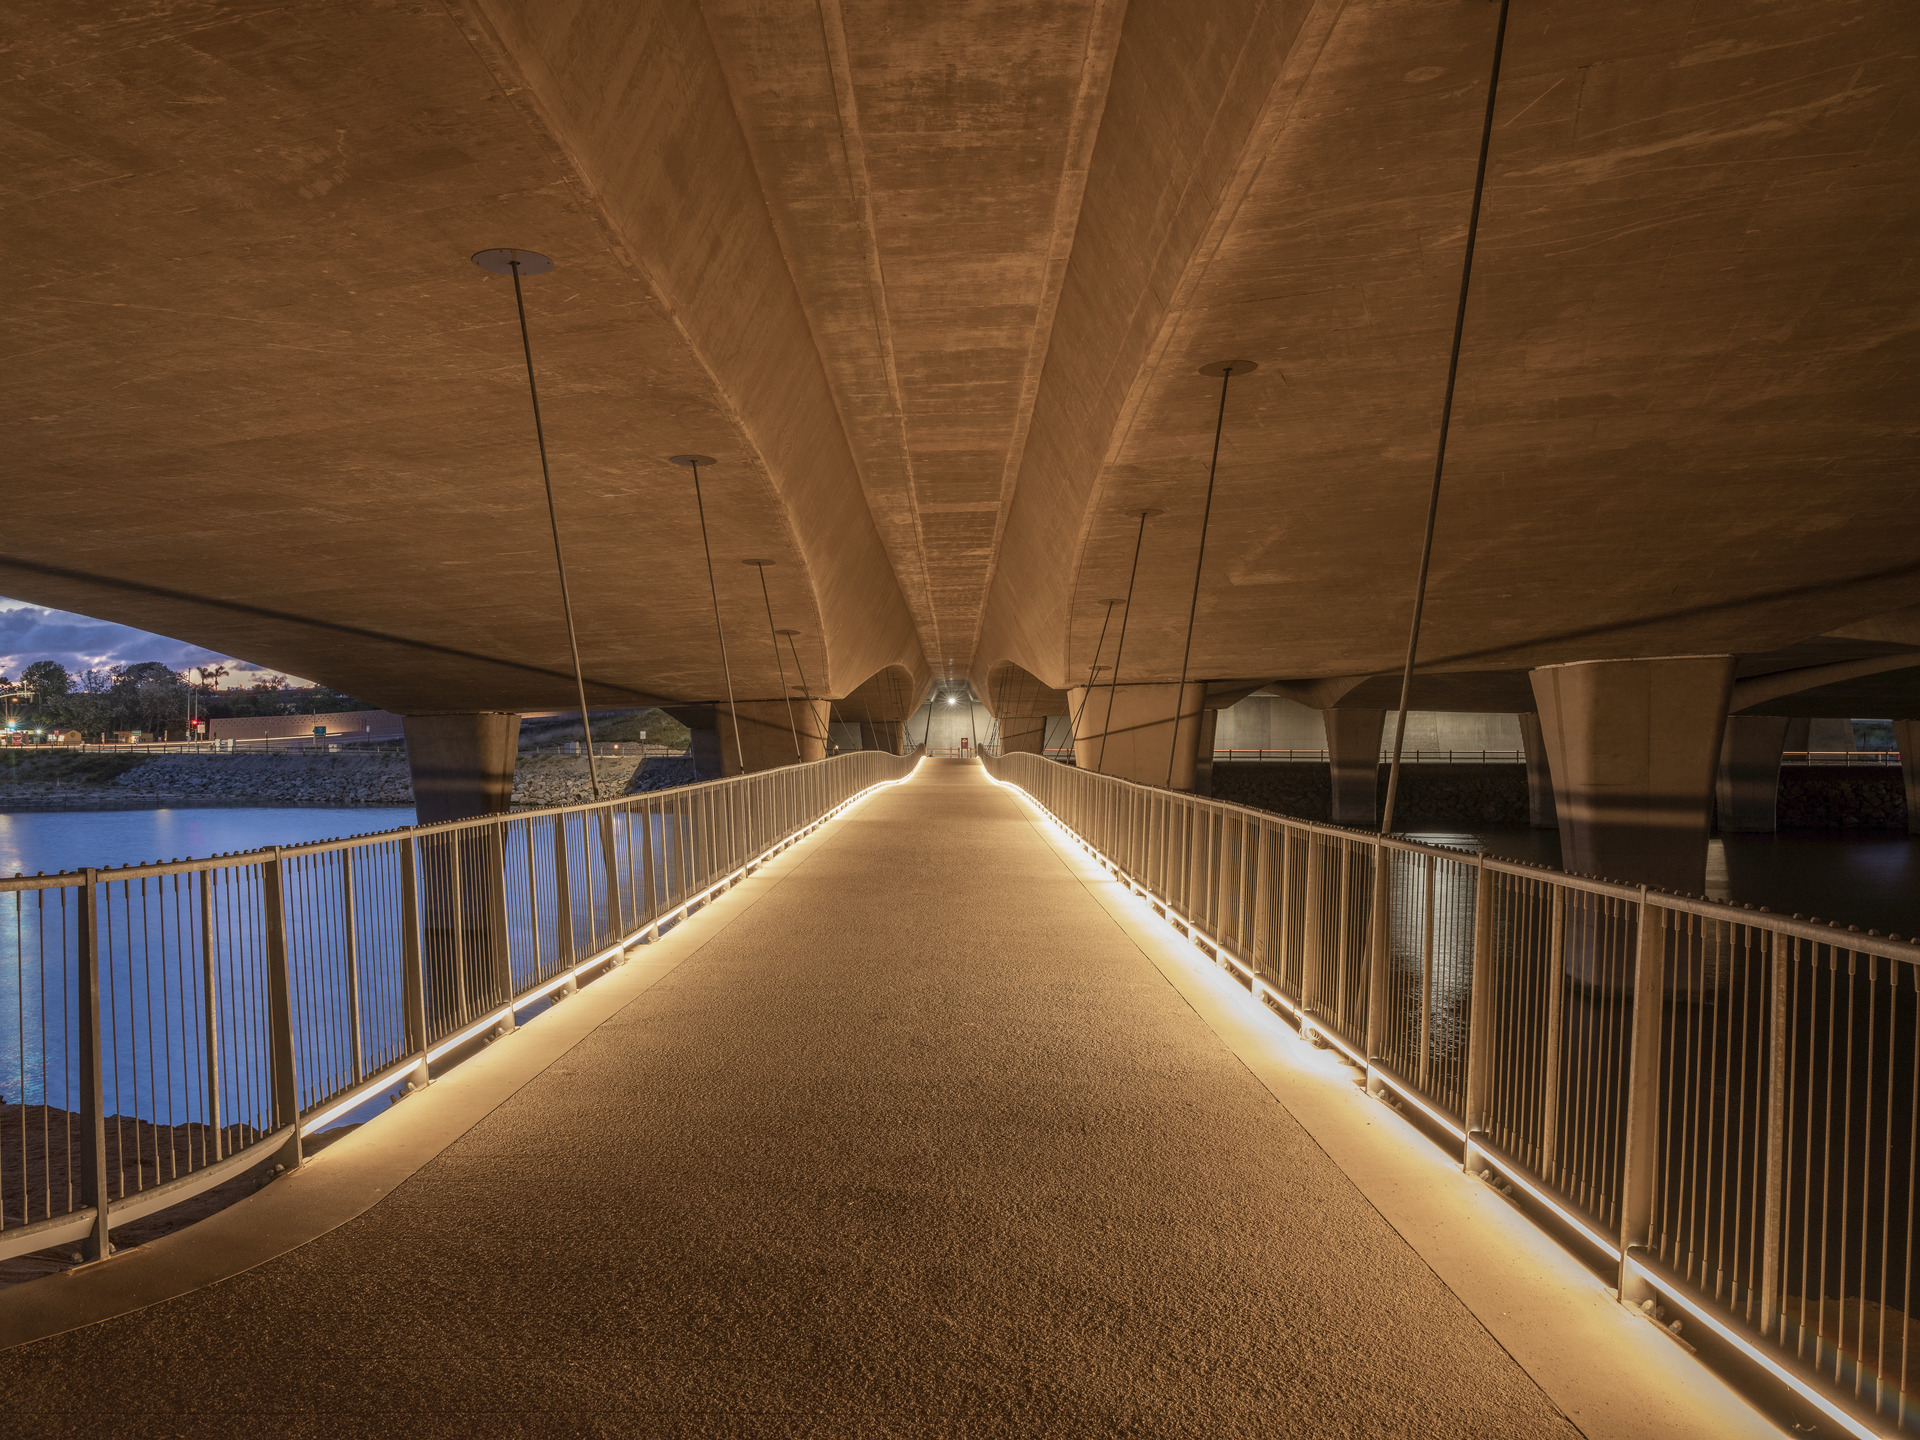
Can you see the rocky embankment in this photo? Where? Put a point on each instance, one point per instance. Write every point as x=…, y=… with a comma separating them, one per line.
x=1429, y=794
x=133, y=782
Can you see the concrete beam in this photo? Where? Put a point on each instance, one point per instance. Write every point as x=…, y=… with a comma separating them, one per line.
x=1633, y=746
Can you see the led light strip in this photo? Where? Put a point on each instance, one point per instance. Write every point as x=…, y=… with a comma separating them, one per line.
x=391, y=1076
x=1734, y=1336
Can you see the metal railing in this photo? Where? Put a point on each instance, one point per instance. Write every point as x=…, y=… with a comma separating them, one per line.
x=163, y=1027
x=1723, y=1103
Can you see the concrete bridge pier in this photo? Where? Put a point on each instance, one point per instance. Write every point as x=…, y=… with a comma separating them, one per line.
x=1023, y=734
x=1540, y=812
x=1633, y=746
x=1747, y=792
x=462, y=765
x=1130, y=731
x=887, y=735
x=1353, y=758
x=1906, y=735
x=768, y=731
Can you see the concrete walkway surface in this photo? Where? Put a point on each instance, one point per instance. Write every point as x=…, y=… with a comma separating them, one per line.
x=920, y=1141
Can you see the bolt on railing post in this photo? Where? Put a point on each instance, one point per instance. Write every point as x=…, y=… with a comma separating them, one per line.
x=1640, y=1149
x=1479, y=1013
x=285, y=1067
x=413, y=972
x=93, y=1083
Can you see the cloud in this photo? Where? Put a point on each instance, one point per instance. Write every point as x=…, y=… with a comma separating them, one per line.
x=29, y=633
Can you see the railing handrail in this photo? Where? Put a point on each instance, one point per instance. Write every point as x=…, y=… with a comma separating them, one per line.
x=1661, y=1089
x=281, y=987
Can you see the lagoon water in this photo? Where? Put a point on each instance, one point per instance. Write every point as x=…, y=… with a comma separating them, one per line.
x=51, y=841
x=1871, y=880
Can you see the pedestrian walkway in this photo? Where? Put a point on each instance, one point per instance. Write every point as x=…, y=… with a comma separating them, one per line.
x=917, y=1142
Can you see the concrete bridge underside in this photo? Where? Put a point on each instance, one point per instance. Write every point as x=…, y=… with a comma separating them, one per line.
x=916, y=1133
x=935, y=287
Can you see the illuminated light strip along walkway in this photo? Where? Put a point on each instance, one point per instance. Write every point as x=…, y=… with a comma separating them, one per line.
x=930, y=1134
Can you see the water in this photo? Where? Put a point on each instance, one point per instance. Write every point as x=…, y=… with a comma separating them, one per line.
x=48, y=842
x=1872, y=881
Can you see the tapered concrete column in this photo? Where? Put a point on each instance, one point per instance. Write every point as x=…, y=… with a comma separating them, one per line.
x=1906, y=734
x=1203, y=752
x=462, y=764
x=1023, y=734
x=1633, y=745
x=1353, y=757
x=1747, y=792
x=887, y=735
x=767, y=736
x=1137, y=722
x=1797, y=732
x=1540, y=814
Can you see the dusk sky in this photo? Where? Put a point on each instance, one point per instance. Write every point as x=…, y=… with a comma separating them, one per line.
x=29, y=633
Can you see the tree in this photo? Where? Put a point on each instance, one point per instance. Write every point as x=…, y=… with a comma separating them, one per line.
x=46, y=680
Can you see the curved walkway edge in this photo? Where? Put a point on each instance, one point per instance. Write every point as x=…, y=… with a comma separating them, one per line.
x=355, y=1173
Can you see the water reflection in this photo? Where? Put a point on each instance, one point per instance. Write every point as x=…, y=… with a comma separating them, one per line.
x=1872, y=881
x=48, y=842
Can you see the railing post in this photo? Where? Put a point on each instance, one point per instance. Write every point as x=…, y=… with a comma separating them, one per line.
x=210, y=1016
x=492, y=838
x=563, y=948
x=610, y=862
x=353, y=964
x=285, y=1067
x=1377, y=956
x=1479, y=1013
x=1428, y=871
x=93, y=1080
x=1642, y=1140
x=1311, y=947
x=1772, y=1196
x=1261, y=950
x=1550, y=1071
x=413, y=970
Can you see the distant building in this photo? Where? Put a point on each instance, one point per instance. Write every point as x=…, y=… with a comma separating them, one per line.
x=342, y=725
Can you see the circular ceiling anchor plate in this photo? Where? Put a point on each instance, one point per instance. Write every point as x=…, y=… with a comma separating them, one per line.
x=786, y=632
x=763, y=564
x=500, y=262
x=691, y=460
x=1145, y=514
x=1220, y=367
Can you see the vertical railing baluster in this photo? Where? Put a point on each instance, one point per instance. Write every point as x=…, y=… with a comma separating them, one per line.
x=285, y=1066
x=1479, y=1013
x=1550, y=1070
x=1311, y=946
x=353, y=965
x=1428, y=875
x=413, y=969
x=1640, y=1150
x=1780, y=950
x=93, y=1080
x=1377, y=957
x=210, y=1016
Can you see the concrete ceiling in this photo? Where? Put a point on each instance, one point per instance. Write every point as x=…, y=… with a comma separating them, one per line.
x=934, y=283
